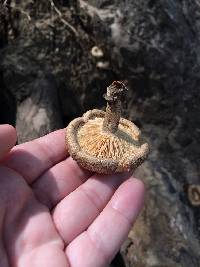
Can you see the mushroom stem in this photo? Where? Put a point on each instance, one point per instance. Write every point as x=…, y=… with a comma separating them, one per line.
x=113, y=109
x=112, y=116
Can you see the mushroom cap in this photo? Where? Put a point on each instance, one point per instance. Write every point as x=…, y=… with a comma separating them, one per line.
x=194, y=194
x=105, y=152
x=97, y=52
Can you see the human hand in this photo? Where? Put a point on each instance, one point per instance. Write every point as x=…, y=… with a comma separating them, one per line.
x=55, y=214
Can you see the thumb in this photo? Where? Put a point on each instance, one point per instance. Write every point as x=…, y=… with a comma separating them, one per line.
x=8, y=139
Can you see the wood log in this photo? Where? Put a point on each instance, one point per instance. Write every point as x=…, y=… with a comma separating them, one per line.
x=36, y=97
x=154, y=47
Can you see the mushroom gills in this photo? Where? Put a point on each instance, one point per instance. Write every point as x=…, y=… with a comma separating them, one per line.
x=122, y=144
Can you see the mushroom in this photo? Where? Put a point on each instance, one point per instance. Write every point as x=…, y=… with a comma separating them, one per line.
x=97, y=52
x=194, y=194
x=103, y=142
x=102, y=65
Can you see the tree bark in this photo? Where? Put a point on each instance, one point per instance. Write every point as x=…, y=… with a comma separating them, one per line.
x=154, y=47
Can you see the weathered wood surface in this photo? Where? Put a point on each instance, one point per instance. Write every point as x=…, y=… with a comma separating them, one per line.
x=157, y=44
x=53, y=77
x=36, y=98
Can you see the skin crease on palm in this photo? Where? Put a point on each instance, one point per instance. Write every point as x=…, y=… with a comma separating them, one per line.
x=55, y=214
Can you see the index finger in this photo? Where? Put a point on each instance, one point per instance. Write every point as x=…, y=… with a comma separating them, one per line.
x=33, y=158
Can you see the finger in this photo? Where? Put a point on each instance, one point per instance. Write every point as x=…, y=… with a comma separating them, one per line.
x=98, y=245
x=45, y=255
x=37, y=244
x=8, y=139
x=79, y=209
x=59, y=181
x=31, y=159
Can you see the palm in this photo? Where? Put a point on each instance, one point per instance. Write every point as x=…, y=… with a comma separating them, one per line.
x=53, y=215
